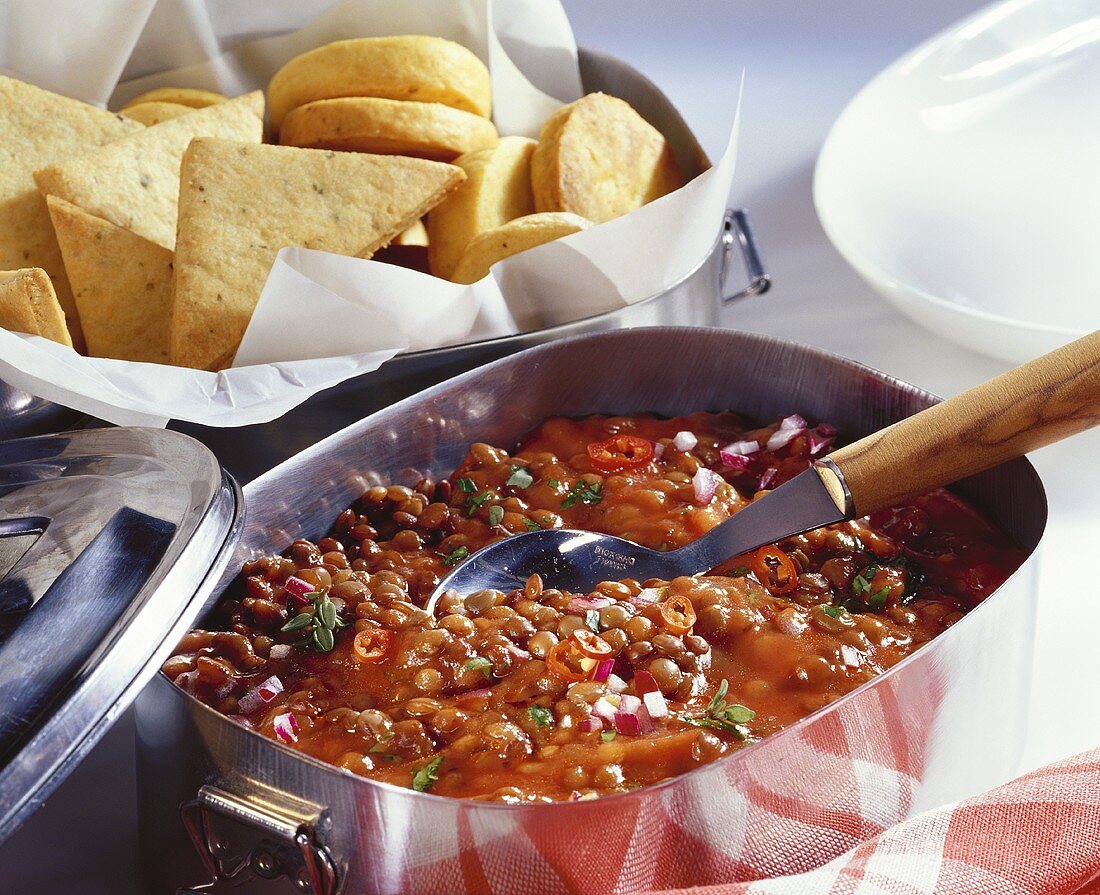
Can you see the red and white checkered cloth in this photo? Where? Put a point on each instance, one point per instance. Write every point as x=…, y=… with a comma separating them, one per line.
x=1038, y=835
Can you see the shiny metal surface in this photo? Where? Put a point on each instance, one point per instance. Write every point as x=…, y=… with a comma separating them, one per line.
x=251, y=450
x=579, y=560
x=924, y=733
x=111, y=535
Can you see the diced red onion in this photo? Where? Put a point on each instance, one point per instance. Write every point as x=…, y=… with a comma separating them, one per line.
x=658, y=450
x=852, y=657
x=603, y=669
x=583, y=604
x=260, y=695
x=279, y=651
x=225, y=689
x=297, y=587
x=615, y=683
x=479, y=693
x=646, y=596
x=742, y=448
x=645, y=682
x=655, y=704
x=737, y=462
x=286, y=727
x=766, y=479
x=590, y=724
x=605, y=708
x=705, y=483
x=628, y=703
x=790, y=427
x=627, y=724
x=684, y=441
x=820, y=439
x=644, y=721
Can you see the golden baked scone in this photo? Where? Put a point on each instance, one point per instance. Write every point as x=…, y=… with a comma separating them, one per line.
x=497, y=189
x=39, y=128
x=122, y=284
x=408, y=67
x=512, y=238
x=28, y=305
x=192, y=97
x=387, y=127
x=155, y=112
x=600, y=159
x=242, y=202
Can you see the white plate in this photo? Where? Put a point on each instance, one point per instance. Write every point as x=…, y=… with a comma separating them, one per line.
x=963, y=183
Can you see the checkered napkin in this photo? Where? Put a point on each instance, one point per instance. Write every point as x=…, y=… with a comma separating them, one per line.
x=1038, y=835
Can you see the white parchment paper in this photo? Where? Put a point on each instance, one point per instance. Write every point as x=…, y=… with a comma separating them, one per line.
x=364, y=312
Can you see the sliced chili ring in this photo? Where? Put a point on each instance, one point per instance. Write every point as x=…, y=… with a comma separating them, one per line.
x=619, y=453
x=564, y=661
x=591, y=644
x=775, y=570
x=678, y=614
x=371, y=644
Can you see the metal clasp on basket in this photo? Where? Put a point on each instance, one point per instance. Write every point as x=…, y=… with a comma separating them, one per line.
x=241, y=840
x=737, y=233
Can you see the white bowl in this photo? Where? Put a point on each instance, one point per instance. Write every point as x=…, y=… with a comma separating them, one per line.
x=963, y=182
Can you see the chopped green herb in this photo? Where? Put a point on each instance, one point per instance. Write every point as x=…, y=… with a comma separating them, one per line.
x=720, y=715
x=607, y=735
x=740, y=572
x=584, y=492
x=480, y=663
x=496, y=514
x=427, y=775
x=531, y=524
x=520, y=478
x=476, y=500
x=834, y=611
x=459, y=553
x=319, y=623
x=861, y=584
x=878, y=600
x=540, y=715
x=592, y=620
x=466, y=485
x=553, y=483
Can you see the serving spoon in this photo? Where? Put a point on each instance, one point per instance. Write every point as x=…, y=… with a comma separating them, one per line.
x=1034, y=405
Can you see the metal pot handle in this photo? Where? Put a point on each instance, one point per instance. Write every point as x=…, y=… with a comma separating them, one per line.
x=737, y=232
x=240, y=840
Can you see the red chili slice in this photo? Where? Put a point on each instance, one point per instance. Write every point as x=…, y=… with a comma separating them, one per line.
x=620, y=453
x=563, y=660
x=775, y=570
x=591, y=644
x=678, y=614
x=371, y=644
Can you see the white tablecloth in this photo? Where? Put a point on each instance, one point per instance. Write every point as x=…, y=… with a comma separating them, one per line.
x=804, y=62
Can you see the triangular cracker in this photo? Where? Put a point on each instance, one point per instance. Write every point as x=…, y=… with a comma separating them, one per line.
x=240, y=203
x=134, y=183
x=39, y=128
x=28, y=305
x=122, y=284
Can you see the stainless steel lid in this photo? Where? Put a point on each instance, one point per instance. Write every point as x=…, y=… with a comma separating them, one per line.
x=110, y=543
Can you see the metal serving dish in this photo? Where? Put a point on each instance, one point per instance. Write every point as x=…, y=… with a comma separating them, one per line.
x=925, y=732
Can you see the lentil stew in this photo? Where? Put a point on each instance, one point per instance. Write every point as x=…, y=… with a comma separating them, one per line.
x=543, y=695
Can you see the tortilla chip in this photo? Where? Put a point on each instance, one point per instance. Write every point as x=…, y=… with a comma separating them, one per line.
x=28, y=305
x=122, y=285
x=240, y=203
x=134, y=183
x=39, y=128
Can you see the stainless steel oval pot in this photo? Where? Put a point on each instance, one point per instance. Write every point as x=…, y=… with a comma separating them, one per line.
x=933, y=728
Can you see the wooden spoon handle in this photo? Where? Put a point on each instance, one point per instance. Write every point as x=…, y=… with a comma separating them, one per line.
x=1036, y=404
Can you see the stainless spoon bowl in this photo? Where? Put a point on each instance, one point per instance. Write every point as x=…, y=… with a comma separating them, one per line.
x=579, y=560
